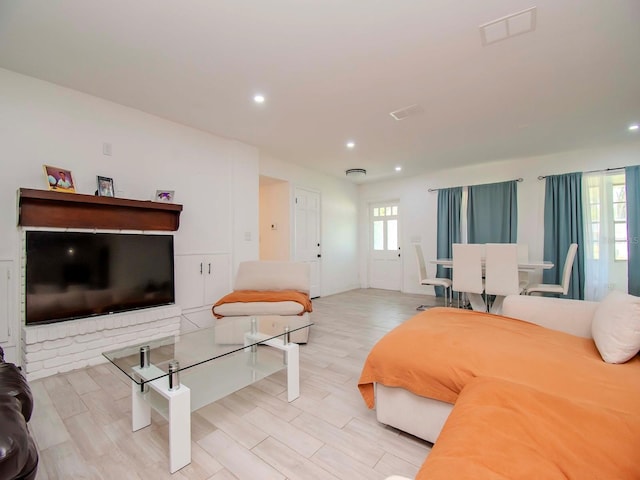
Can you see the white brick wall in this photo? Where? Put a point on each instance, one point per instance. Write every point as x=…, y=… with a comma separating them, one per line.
x=64, y=346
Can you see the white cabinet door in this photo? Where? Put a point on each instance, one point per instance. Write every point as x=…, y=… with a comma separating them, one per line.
x=189, y=270
x=216, y=278
x=201, y=280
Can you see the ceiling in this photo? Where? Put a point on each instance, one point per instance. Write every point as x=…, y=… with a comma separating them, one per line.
x=333, y=70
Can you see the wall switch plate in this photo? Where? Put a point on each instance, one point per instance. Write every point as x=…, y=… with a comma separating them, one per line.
x=106, y=149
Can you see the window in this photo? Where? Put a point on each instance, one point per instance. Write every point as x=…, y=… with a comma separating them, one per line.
x=594, y=217
x=620, y=220
x=607, y=201
x=605, y=233
x=385, y=227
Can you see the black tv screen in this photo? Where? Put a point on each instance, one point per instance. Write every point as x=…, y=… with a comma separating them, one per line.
x=74, y=274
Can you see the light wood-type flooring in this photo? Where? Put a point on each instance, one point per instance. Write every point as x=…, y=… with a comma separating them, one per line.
x=82, y=419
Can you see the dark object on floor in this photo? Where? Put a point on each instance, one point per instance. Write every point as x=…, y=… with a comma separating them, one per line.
x=18, y=452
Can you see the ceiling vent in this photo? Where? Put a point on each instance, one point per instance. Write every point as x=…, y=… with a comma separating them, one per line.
x=406, y=112
x=509, y=26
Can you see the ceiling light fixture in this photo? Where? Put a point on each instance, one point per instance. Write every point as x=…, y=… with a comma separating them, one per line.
x=633, y=127
x=356, y=172
x=398, y=168
x=258, y=98
x=351, y=144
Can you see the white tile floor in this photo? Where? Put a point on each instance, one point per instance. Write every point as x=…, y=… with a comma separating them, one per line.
x=82, y=420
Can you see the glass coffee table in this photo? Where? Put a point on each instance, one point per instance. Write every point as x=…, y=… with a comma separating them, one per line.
x=179, y=374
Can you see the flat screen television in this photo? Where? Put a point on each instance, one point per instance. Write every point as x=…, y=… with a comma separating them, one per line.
x=75, y=274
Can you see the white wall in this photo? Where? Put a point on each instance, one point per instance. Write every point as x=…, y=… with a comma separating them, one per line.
x=419, y=207
x=215, y=179
x=339, y=218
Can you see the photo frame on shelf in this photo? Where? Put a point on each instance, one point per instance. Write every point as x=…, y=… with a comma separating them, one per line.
x=59, y=179
x=105, y=186
x=165, y=196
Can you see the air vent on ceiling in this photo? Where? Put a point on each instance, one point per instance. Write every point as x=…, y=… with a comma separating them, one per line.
x=405, y=112
x=509, y=26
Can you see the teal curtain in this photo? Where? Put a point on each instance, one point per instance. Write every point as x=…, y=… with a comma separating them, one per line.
x=449, y=205
x=563, y=225
x=632, y=181
x=492, y=213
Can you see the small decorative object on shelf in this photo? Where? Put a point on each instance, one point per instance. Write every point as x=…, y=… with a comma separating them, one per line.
x=105, y=187
x=165, y=196
x=59, y=179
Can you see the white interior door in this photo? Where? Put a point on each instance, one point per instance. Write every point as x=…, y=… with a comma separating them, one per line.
x=307, y=234
x=385, y=267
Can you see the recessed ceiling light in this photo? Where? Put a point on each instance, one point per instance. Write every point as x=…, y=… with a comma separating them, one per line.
x=398, y=168
x=635, y=126
x=351, y=144
x=258, y=98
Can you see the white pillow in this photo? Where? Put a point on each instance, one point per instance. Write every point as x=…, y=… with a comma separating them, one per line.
x=616, y=327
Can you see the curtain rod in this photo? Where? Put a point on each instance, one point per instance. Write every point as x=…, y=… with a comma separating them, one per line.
x=542, y=177
x=436, y=189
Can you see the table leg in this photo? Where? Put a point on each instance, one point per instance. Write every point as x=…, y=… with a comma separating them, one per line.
x=140, y=409
x=179, y=428
x=496, y=306
x=293, y=371
x=477, y=302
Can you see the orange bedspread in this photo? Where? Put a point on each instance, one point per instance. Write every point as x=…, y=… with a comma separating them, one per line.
x=245, y=296
x=438, y=352
x=501, y=430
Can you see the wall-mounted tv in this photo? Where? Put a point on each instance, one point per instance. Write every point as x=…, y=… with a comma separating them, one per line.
x=75, y=274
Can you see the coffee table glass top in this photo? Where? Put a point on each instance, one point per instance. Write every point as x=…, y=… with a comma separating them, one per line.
x=192, y=348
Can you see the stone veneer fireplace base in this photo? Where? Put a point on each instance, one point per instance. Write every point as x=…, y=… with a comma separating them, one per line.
x=65, y=346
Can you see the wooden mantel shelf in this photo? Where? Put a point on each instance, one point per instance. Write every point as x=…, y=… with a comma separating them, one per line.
x=42, y=208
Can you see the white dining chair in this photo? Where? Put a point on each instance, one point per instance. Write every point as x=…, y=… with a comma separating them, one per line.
x=467, y=273
x=523, y=257
x=562, y=288
x=434, y=281
x=501, y=273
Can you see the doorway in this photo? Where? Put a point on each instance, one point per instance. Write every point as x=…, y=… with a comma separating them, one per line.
x=274, y=222
x=282, y=240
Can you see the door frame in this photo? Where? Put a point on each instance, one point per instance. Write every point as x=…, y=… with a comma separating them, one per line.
x=370, y=206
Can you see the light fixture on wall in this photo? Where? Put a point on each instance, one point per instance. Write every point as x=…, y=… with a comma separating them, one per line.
x=356, y=172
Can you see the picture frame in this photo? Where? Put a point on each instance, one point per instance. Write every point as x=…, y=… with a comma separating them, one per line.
x=165, y=196
x=105, y=186
x=59, y=179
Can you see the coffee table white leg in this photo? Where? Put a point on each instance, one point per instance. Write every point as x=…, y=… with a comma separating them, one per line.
x=140, y=409
x=293, y=371
x=179, y=428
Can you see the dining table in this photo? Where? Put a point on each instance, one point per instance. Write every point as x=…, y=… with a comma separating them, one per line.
x=477, y=301
x=523, y=265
